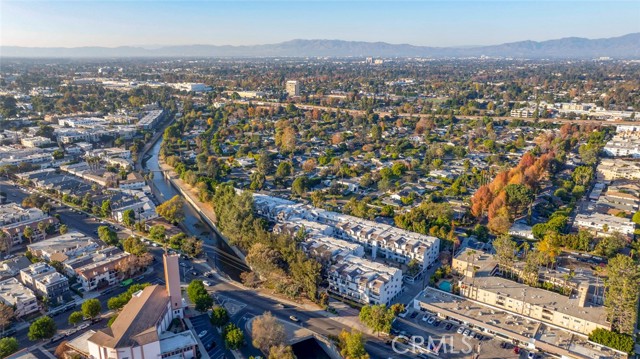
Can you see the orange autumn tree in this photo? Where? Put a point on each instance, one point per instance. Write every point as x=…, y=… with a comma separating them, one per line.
x=492, y=198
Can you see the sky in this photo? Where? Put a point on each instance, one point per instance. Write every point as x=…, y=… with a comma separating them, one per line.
x=56, y=23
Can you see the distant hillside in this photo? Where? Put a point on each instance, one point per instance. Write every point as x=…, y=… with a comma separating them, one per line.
x=626, y=47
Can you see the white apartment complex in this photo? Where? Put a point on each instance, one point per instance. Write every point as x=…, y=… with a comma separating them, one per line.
x=44, y=279
x=21, y=298
x=381, y=240
x=364, y=281
x=604, y=225
x=625, y=143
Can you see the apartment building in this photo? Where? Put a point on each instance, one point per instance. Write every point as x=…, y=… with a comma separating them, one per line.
x=364, y=281
x=63, y=247
x=603, y=224
x=97, y=269
x=15, y=294
x=580, y=312
x=14, y=219
x=381, y=240
x=624, y=144
x=44, y=279
x=612, y=169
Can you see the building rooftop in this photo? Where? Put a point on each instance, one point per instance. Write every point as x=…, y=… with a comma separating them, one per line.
x=12, y=291
x=485, y=277
x=136, y=323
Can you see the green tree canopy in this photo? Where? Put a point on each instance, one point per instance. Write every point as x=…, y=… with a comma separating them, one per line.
x=42, y=328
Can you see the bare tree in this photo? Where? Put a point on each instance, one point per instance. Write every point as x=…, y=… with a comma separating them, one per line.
x=267, y=332
x=6, y=316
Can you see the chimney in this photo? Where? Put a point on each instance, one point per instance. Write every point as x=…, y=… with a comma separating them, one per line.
x=172, y=280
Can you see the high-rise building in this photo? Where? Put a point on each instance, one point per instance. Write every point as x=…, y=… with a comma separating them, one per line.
x=293, y=88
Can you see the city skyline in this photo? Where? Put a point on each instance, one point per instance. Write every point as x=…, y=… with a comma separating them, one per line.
x=426, y=23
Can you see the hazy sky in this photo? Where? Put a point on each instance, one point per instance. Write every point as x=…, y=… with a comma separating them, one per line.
x=433, y=23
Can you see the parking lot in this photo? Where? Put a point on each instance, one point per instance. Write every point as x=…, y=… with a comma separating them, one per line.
x=211, y=339
x=465, y=340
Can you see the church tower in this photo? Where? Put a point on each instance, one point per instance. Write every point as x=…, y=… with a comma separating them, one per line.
x=172, y=280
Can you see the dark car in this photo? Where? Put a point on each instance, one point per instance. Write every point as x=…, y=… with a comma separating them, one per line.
x=448, y=326
x=437, y=323
x=414, y=314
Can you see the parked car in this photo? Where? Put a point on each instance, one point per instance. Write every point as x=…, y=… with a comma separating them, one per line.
x=437, y=323
x=425, y=318
x=448, y=326
x=413, y=315
x=460, y=330
x=202, y=334
x=431, y=320
x=466, y=333
x=294, y=318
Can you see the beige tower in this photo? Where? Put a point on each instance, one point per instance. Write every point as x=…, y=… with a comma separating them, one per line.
x=172, y=279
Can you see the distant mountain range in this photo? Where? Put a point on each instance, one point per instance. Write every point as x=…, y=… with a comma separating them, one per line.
x=626, y=47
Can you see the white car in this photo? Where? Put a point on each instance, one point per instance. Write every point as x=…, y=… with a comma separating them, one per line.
x=460, y=330
x=466, y=333
x=294, y=318
x=202, y=334
x=206, y=283
x=431, y=320
x=426, y=317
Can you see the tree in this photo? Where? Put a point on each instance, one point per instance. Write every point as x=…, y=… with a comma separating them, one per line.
x=7, y=314
x=413, y=267
x=42, y=328
x=582, y=175
x=267, y=332
x=284, y=169
x=257, y=181
x=622, y=342
x=281, y=352
x=377, y=317
x=299, y=185
x=134, y=246
x=191, y=246
x=75, y=318
x=8, y=346
x=519, y=197
x=505, y=249
x=157, y=233
x=91, y=308
x=106, y=208
x=352, y=345
x=63, y=229
x=621, y=288
x=219, y=316
x=310, y=165
x=172, y=210
x=129, y=217
x=636, y=218
x=199, y=296
x=288, y=140
x=233, y=337
x=264, y=163
x=28, y=233
x=107, y=235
